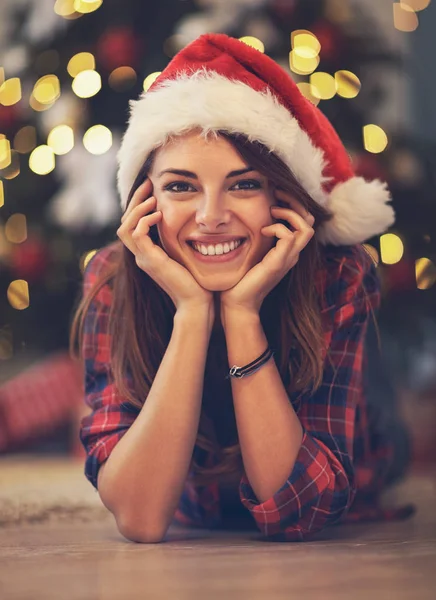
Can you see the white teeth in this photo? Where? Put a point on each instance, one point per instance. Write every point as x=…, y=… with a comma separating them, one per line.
x=211, y=250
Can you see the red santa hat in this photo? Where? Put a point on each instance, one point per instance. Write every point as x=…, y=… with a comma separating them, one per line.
x=220, y=83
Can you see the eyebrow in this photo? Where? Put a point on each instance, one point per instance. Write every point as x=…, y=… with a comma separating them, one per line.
x=194, y=176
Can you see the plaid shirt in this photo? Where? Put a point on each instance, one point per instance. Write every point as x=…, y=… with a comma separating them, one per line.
x=343, y=461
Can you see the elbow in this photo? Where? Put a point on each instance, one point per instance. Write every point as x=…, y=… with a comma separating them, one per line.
x=135, y=531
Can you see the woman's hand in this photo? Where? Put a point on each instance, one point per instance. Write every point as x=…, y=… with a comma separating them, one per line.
x=172, y=277
x=248, y=294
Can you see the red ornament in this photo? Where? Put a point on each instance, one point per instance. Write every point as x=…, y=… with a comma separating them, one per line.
x=400, y=276
x=331, y=40
x=9, y=117
x=284, y=8
x=118, y=47
x=366, y=165
x=29, y=260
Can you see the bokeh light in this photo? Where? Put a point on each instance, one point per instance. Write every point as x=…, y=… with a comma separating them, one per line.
x=18, y=294
x=98, y=139
x=405, y=18
x=5, y=153
x=347, y=84
x=61, y=139
x=85, y=258
x=83, y=61
x=16, y=229
x=86, y=84
x=2, y=194
x=87, y=6
x=302, y=66
x=425, y=271
x=47, y=89
x=306, y=89
x=13, y=169
x=25, y=139
x=323, y=85
x=150, y=79
x=253, y=42
x=42, y=160
x=10, y=91
x=305, y=44
x=375, y=139
x=122, y=78
x=391, y=248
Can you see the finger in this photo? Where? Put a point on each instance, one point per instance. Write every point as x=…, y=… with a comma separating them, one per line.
x=130, y=238
x=140, y=235
x=295, y=218
x=143, y=191
x=132, y=220
x=296, y=205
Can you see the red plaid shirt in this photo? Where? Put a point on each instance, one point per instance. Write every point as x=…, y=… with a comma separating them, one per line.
x=342, y=463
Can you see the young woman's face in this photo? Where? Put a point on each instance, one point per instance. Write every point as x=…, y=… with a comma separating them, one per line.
x=204, y=188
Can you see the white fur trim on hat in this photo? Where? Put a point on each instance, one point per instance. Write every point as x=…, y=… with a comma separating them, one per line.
x=360, y=212
x=212, y=102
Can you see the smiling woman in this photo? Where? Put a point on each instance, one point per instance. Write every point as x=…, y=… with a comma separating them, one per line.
x=223, y=335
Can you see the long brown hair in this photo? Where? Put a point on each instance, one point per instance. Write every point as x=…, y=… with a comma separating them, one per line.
x=141, y=321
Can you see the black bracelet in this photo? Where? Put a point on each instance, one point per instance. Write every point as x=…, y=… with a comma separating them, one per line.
x=252, y=367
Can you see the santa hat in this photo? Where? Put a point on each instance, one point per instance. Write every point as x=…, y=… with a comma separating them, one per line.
x=220, y=83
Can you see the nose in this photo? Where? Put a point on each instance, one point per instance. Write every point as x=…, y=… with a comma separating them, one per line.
x=212, y=211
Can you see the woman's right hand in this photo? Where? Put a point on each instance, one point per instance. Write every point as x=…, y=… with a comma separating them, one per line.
x=171, y=276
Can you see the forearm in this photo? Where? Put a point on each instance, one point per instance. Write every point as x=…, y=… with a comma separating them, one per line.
x=144, y=475
x=269, y=430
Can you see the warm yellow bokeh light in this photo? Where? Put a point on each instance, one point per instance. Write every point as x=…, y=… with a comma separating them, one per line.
x=98, y=139
x=87, y=6
x=18, y=294
x=150, y=79
x=33, y=103
x=122, y=78
x=405, y=18
x=86, y=84
x=373, y=253
x=375, y=139
x=25, y=139
x=5, y=153
x=253, y=42
x=425, y=271
x=302, y=66
x=64, y=8
x=2, y=194
x=47, y=89
x=416, y=5
x=16, y=228
x=306, y=89
x=13, y=169
x=305, y=44
x=61, y=139
x=86, y=257
x=83, y=61
x=10, y=91
x=347, y=84
x=323, y=85
x=391, y=248
x=42, y=160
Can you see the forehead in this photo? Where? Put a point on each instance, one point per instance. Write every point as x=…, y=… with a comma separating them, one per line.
x=196, y=148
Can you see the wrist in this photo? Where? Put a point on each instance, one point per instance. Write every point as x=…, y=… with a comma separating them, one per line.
x=231, y=316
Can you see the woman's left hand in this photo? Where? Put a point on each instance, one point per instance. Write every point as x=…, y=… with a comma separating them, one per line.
x=248, y=294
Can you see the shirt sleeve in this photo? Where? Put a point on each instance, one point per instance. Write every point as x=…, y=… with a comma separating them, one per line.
x=321, y=487
x=111, y=416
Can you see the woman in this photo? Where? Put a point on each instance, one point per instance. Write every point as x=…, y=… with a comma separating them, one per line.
x=240, y=246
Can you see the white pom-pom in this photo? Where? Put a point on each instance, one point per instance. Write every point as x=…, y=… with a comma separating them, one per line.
x=360, y=211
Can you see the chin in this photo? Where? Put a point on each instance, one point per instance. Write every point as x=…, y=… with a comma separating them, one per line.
x=217, y=283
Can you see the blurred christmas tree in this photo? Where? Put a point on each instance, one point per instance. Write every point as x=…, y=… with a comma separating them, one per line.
x=67, y=71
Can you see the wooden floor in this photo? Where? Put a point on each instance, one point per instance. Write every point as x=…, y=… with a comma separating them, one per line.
x=57, y=542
